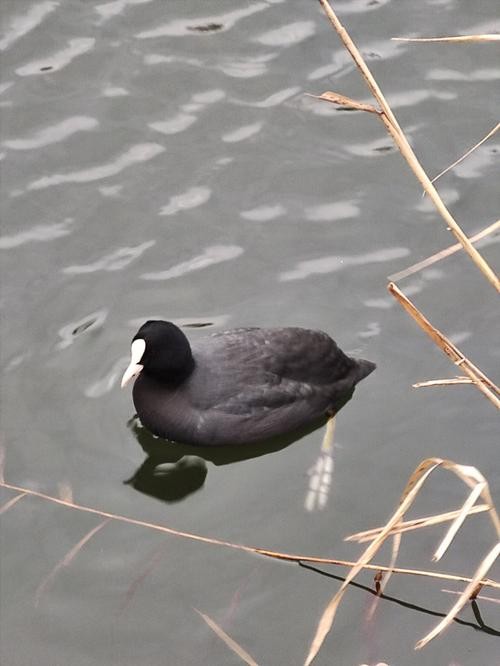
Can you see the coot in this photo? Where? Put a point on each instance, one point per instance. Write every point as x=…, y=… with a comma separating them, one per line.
x=240, y=386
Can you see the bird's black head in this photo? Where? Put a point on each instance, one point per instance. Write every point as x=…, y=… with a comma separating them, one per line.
x=161, y=350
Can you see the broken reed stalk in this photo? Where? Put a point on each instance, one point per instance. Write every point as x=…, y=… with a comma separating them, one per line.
x=455, y=381
x=287, y=557
x=386, y=115
x=483, y=383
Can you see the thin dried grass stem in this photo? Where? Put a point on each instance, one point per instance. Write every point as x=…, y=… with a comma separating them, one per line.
x=483, y=383
x=395, y=277
x=426, y=183
x=358, y=59
x=416, y=523
x=392, y=126
x=485, y=565
x=455, y=39
x=289, y=557
x=469, y=152
x=479, y=486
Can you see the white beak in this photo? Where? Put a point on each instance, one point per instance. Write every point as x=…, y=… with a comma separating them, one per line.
x=136, y=353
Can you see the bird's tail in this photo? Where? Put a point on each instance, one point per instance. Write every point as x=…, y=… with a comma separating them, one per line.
x=361, y=369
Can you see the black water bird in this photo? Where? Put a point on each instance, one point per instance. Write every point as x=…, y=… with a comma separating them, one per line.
x=239, y=386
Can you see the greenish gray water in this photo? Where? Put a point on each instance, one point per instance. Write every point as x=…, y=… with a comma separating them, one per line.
x=162, y=160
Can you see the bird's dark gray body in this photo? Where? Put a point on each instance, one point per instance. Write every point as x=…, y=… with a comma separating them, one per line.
x=250, y=384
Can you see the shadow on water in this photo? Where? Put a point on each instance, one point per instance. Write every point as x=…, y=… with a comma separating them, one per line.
x=480, y=626
x=172, y=471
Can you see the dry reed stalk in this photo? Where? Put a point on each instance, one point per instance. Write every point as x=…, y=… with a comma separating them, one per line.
x=483, y=383
x=287, y=557
x=469, y=152
x=425, y=263
x=231, y=643
x=471, y=588
x=415, y=524
x=479, y=486
x=455, y=381
x=386, y=115
x=456, y=39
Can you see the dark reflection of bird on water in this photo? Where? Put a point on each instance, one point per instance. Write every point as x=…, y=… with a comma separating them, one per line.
x=173, y=471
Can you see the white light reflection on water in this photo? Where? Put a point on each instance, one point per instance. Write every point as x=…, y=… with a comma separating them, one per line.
x=58, y=60
x=191, y=198
x=333, y=263
x=109, y=9
x=53, y=133
x=242, y=133
x=38, y=233
x=114, y=261
x=22, y=24
x=287, y=35
x=214, y=254
x=181, y=27
x=141, y=152
x=263, y=213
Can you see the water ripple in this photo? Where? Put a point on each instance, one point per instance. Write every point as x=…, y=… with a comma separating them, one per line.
x=39, y=233
x=242, y=133
x=5, y=86
x=174, y=125
x=58, y=60
x=373, y=328
x=331, y=264
x=191, y=198
x=359, y=6
x=106, y=383
x=110, y=190
x=69, y=332
x=275, y=99
x=181, y=27
x=26, y=22
x=329, y=212
x=112, y=262
x=287, y=35
x=141, y=152
x=189, y=322
x=159, y=59
x=342, y=61
x=414, y=97
x=109, y=9
x=245, y=67
x=185, y=117
x=115, y=92
x=485, y=74
x=411, y=289
x=263, y=213
x=449, y=195
x=479, y=163
x=214, y=254
x=54, y=133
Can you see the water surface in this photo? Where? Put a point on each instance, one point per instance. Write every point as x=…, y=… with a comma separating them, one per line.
x=163, y=160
